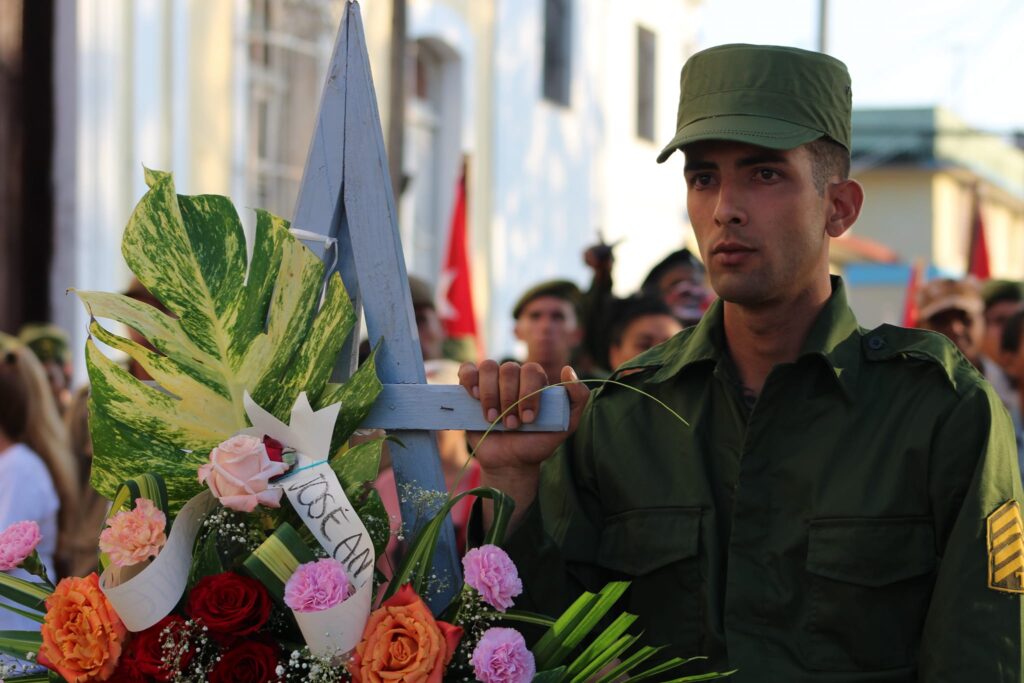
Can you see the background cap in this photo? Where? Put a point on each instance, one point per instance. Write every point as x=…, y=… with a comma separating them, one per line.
x=996, y=291
x=422, y=293
x=48, y=342
x=561, y=289
x=944, y=294
x=765, y=95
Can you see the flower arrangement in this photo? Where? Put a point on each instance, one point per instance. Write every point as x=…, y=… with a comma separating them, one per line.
x=243, y=531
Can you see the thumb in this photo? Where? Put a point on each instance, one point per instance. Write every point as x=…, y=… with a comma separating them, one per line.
x=578, y=395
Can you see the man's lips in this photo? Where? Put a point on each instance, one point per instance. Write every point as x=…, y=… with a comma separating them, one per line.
x=731, y=253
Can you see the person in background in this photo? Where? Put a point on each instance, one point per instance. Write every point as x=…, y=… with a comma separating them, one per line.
x=955, y=309
x=679, y=280
x=50, y=344
x=547, y=321
x=81, y=551
x=1011, y=346
x=27, y=490
x=1002, y=299
x=428, y=323
x=640, y=323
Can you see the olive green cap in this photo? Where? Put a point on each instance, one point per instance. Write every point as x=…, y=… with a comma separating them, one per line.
x=776, y=97
x=422, y=293
x=48, y=342
x=560, y=289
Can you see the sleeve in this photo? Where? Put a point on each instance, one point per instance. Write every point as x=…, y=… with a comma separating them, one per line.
x=596, y=312
x=972, y=631
x=25, y=493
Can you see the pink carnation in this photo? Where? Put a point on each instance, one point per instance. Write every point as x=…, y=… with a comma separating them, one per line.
x=316, y=586
x=133, y=536
x=501, y=656
x=17, y=542
x=492, y=573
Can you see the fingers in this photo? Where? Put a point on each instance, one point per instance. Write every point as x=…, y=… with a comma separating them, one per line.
x=487, y=382
x=509, y=393
x=531, y=380
x=469, y=378
x=578, y=395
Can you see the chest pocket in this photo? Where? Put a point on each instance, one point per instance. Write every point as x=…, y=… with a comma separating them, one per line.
x=869, y=583
x=657, y=549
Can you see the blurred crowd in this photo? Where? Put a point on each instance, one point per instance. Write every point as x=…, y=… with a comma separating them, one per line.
x=46, y=452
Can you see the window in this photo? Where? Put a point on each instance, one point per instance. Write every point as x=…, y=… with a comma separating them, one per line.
x=646, y=43
x=557, y=50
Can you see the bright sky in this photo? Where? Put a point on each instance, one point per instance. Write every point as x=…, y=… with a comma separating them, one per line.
x=966, y=56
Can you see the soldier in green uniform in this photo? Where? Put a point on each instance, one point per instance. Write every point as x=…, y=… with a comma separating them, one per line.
x=841, y=504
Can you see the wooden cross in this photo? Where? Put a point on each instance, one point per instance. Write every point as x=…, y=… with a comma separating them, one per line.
x=346, y=194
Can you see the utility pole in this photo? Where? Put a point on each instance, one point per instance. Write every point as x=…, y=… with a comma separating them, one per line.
x=396, y=98
x=822, y=25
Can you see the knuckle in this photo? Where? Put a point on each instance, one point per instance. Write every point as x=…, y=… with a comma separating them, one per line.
x=509, y=370
x=488, y=365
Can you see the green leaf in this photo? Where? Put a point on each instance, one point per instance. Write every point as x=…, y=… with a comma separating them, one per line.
x=266, y=325
x=20, y=643
x=576, y=624
x=356, y=397
x=26, y=593
x=276, y=559
x=206, y=560
x=598, y=649
x=551, y=676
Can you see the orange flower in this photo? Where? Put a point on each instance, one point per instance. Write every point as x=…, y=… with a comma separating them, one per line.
x=82, y=634
x=403, y=642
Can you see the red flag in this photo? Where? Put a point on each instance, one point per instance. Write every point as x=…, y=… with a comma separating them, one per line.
x=910, y=302
x=977, y=255
x=456, y=295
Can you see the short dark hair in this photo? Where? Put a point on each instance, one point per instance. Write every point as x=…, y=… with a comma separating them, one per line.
x=13, y=398
x=828, y=160
x=627, y=310
x=1012, y=333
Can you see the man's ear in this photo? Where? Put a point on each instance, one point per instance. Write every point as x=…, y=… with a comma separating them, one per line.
x=518, y=332
x=844, y=201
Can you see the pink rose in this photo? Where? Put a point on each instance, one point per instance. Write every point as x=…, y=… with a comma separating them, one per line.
x=501, y=656
x=238, y=473
x=134, y=536
x=492, y=573
x=17, y=542
x=316, y=586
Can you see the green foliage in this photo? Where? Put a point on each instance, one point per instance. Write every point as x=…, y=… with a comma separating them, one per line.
x=269, y=326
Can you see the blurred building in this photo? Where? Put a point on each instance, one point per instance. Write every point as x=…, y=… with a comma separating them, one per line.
x=925, y=174
x=556, y=107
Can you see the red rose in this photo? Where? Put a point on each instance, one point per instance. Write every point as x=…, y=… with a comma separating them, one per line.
x=275, y=449
x=251, y=661
x=230, y=604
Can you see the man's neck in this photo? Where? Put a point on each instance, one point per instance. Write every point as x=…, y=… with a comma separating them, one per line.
x=762, y=337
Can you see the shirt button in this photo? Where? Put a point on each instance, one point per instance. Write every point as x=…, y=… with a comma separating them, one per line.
x=875, y=343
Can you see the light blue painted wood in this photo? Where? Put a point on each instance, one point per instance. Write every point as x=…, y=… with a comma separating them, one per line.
x=346, y=193
x=437, y=407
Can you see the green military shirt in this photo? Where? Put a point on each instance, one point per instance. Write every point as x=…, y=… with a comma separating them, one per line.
x=834, y=531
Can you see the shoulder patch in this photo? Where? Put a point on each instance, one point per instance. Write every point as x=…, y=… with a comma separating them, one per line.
x=1006, y=549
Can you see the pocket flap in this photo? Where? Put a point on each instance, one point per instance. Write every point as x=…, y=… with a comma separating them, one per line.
x=639, y=541
x=871, y=552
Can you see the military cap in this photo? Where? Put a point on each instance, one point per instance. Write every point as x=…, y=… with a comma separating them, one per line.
x=560, y=289
x=422, y=293
x=682, y=257
x=48, y=342
x=944, y=294
x=996, y=291
x=765, y=95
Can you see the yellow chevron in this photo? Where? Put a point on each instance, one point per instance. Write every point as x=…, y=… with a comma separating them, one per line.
x=1006, y=549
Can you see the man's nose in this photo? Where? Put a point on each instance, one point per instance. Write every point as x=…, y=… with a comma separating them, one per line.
x=729, y=210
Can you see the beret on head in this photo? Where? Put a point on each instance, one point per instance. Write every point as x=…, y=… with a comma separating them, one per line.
x=560, y=289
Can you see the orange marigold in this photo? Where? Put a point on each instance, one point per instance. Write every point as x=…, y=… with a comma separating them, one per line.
x=403, y=642
x=82, y=634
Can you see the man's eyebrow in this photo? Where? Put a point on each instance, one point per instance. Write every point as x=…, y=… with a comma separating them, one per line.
x=766, y=157
x=699, y=165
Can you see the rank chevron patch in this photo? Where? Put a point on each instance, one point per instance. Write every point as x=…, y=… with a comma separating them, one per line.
x=1006, y=549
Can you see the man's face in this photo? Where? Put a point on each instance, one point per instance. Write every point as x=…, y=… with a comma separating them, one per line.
x=759, y=220
x=548, y=326
x=641, y=334
x=684, y=291
x=964, y=329
x=431, y=332
x=995, y=318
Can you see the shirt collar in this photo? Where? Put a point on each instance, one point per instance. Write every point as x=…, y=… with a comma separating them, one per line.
x=834, y=338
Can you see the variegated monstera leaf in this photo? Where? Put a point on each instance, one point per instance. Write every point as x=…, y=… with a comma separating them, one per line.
x=234, y=326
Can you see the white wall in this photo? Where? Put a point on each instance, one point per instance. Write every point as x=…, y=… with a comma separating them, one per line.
x=560, y=173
